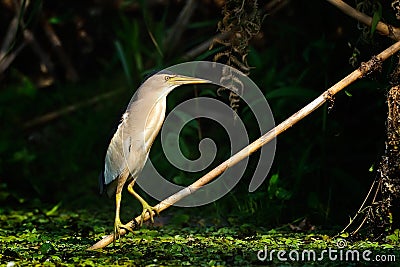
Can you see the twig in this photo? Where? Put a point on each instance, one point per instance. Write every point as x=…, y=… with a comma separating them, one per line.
x=6, y=61
x=30, y=39
x=360, y=226
x=175, y=33
x=9, y=37
x=7, y=57
x=372, y=202
x=381, y=27
x=205, y=46
x=365, y=69
x=69, y=109
x=275, y=5
x=70, y=72
x=360, y=210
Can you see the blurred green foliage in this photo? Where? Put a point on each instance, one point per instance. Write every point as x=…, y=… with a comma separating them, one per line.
x=321, y=168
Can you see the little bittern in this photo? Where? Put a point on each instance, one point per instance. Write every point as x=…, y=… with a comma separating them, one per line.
x=129, y=147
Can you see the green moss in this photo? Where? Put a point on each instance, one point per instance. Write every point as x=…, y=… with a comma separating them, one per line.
x=32, y=237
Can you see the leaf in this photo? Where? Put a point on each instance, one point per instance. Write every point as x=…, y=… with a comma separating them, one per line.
x=122, y=57
x=46, y=248
x=208, y=92
x=180, y=180
x=273, y=185
x=376, y=18
x=371, y=169
x=27, y=87
x=23, y=155
x=348, y=93
x=274, y=179
x=55, y=20
x=283, y=194
x=53, y=211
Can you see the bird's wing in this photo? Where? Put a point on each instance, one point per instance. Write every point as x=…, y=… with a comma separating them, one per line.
x=115, y=161
x=129, y=146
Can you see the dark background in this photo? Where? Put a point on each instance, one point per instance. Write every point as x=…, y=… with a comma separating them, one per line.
x=322, y=168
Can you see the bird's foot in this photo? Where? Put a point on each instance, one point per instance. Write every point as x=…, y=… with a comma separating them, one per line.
x=149, y=209
x=118, y=226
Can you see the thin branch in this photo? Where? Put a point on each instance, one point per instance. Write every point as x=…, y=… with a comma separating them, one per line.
x=360, y=210
x=360, y=226
x=30, y=39
x=381, y=27
x=176, y=31
x=7, y=57
x=9, y=37
x=369, y=211
x=69, y=109
x=205, y=46
x=6, y=61
x=275, y=5
x=70, y=72
x=365, y=69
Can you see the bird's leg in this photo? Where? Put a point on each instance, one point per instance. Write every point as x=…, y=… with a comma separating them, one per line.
x=145, y=205
x=117, y=223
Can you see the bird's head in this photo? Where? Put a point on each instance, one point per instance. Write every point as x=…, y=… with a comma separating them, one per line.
x=175, y=80
x=164, y=82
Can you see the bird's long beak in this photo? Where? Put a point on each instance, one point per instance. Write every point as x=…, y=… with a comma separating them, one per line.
x=181, y=80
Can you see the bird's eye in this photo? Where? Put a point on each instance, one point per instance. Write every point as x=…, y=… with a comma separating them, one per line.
x=167, y=78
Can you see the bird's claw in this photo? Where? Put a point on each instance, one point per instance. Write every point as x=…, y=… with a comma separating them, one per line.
x=149, y=209
x=118, y=226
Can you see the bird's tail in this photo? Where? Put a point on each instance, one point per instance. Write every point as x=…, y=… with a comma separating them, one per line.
x=102, y=184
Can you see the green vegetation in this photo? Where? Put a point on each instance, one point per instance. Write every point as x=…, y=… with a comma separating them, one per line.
x=61, y=238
